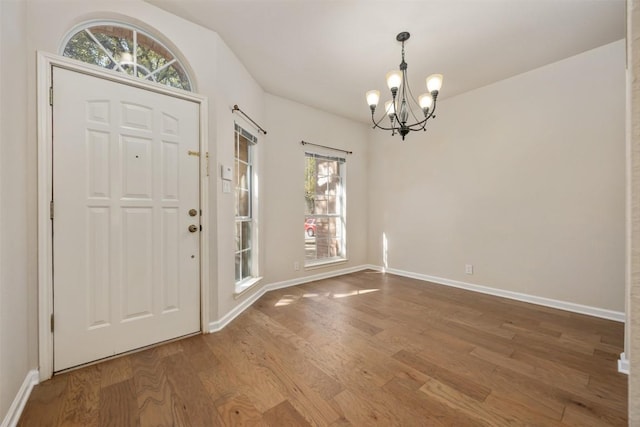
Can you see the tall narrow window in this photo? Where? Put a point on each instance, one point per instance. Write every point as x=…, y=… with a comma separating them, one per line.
x=245, y=225
x=324, y=225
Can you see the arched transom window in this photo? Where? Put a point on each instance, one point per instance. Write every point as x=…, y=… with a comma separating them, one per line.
x=128, y=50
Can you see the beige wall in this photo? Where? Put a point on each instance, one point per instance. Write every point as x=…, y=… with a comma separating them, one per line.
x=632, y=344
x=524, y=179
x=288, y=123
x=235, y=86
x=17, y=345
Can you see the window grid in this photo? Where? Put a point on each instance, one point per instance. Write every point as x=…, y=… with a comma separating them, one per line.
x=128, y=50
x=243, y=188
x=325, y=209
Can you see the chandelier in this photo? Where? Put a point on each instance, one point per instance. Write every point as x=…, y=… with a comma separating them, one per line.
x=399, y=109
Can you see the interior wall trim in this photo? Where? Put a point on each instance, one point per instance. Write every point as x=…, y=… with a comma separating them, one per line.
x=218, y=325
x=623, y=364
x=17, y=406
x=603, y=313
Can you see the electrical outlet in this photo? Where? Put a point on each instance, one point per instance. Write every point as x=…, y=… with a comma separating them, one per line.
x=296, y=265
x=468, y=268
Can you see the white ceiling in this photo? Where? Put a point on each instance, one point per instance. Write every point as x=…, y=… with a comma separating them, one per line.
x=328, y=53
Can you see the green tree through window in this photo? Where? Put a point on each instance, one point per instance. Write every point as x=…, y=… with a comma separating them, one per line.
x=128, y=50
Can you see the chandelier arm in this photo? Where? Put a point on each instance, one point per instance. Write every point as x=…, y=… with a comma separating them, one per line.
x=384, y=128
x=420, y=125
x=376, y=125
x=430, y=115
x=433, y=110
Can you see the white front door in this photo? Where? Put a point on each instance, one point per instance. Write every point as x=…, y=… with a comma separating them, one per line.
x=125, y=191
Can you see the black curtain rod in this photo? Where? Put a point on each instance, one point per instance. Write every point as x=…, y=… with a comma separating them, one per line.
x=236, y=108
x=324, y=146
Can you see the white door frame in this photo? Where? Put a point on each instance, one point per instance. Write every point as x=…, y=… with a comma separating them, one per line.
x=45, y=187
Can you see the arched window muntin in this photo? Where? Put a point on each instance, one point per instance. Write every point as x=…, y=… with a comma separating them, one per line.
x=125, y=48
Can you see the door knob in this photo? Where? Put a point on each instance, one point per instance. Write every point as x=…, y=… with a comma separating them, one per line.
x=193, y=212
x=193, y=228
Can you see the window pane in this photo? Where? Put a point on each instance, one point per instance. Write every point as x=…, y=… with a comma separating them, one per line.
x=310, y=177
x=238, y=267
x=243, y=149
x=310, y=252
x=83, y=48
x=174, y=75
x=320, y=205
x=243, y=203
x=153, y=61
x=125, y=49
x=332, y=205
x=243, y=175
x=246, y=264
x=238, y=235
x=322, y=248
x=321, y=227
x=237, y=200
x=246, y=234
x=119, y=43
x=149, y=60
x=324, y=208
x=114, y=31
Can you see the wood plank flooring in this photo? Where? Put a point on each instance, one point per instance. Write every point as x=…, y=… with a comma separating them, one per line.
x=359, y=350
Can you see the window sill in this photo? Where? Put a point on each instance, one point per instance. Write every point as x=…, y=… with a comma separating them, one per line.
x=325, y=263
x=244, y=287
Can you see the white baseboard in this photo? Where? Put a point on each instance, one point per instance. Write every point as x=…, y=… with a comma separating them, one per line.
x=224, y=321
x=15, y=410
x=547, y=302
x=623, y=364
x=618, y=316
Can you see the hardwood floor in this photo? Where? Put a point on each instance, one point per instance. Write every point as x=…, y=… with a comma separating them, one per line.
x=362, y=349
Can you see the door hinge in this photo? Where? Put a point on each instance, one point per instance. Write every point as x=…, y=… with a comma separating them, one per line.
x=51, y=209
x=51, y=322
x=207, y=158
x=51, y=96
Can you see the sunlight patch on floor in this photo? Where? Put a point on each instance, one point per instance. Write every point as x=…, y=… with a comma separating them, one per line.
x=290, y=299
x=353, y=293
x=286, y=300
x=312, y=295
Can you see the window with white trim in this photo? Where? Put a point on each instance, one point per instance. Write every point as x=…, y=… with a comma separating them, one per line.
x=244, y=154
x=325, y=209
x=123, y=48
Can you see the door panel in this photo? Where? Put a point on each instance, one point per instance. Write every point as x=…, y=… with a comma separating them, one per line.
x=126, y=267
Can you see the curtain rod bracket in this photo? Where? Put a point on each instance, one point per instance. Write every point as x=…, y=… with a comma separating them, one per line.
x=236, y=108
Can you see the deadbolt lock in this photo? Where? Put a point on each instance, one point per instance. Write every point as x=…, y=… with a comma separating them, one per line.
x=193, y=228
x=193, y=212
